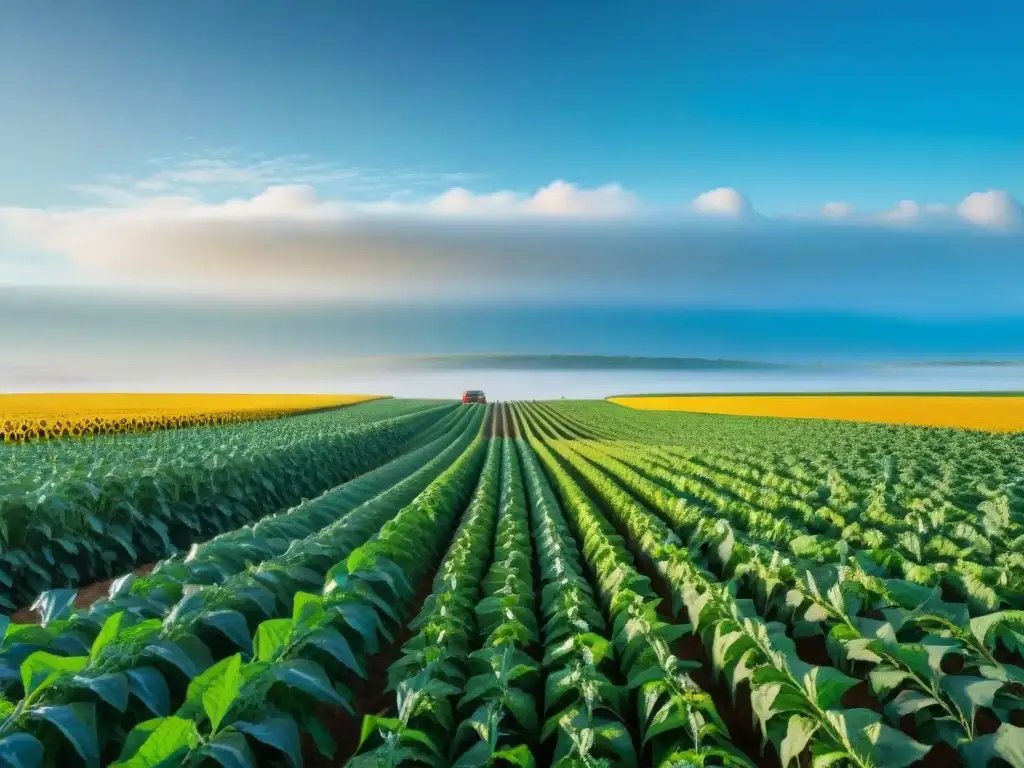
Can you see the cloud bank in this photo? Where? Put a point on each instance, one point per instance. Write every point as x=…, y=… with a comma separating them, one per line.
x=561, y=242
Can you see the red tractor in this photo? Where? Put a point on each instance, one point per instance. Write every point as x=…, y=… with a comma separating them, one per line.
x=474, y=396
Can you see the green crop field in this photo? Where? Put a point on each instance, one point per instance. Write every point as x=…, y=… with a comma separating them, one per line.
x=529, y=584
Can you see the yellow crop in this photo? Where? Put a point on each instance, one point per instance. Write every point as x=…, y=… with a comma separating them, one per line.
x=989, y=413
x=33, y=416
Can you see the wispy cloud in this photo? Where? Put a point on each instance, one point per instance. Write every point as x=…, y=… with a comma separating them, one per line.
x=253, y=226
x=219, y=173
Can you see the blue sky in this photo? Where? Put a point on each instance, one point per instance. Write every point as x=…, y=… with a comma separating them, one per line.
x=794, y=103
x=718, y=161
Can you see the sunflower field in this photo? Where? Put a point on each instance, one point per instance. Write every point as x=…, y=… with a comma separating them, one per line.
x=572, y=584
x=47, y=416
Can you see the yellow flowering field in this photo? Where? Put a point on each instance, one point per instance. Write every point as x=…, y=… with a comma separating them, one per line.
x=1002, y=413
x=33, y=416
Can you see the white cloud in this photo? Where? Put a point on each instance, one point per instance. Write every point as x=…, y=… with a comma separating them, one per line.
x=837, y=210
x=994, y=208
x=724, y=202
x=294, y=239
x=903, y=211
x=559, y=198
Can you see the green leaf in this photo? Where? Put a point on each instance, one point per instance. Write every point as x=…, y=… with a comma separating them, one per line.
x=233, y=625
x=54, y=604
x=826, y=686
x=281, y=733
x=41, y=669
x=983, y=626
x=523, y=709
x=519, y=755
x=333, y=642
x=1007, y=743
x=21, y=750
x=164, y=746
x=222, y=690
x=112, y=688
x=272, y=637
x=798, y=734
x=173, y=653
x=148, y=686
x=230, y=750
x=78, y=724
x=908, y=702
x=669, y=718
x=474, y=757
x=885, y=680
x=310, y=677
x=864, y=729
x=420, y=737
x=970, y=693
x=306, y=606
x=106, y=634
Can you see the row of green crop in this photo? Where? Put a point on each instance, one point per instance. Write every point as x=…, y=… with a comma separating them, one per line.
x=430, y=673
x=906, y=674
x=67, y=526
x=902, y=653
x=229, y=559
x=972, y=554
x=794, y=702
x=677, y=720
x=469, y=686
x=934, y=529
x=83, y=706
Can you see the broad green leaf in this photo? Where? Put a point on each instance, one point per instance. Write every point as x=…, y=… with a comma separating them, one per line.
x=222, y=690
x=230, y=750
x=281, y=733
x=908, y=702
x=333, y=642
x=54, y=604
x=373, y=723
x=474, y=757
x=1007, y=743
x=173, y=653
x=826, y=686
x=523, y=709
x=165, y=745
x=272, y=637
x=106, y=634
x=112, y=688
x=233, y=625
x=893, y=747
x=798, y=734
x=970, y=693
x=983, y=626
x=21, y=750
x=147, y=684
x=519, y=755
x=885, y=679
x=78, y=724
x=41, y=669
x=420, y=737
x=309, y=677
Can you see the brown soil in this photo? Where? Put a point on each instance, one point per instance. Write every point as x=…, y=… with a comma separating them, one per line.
x=500, y=423
x=490, y=422
x=86, y=596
